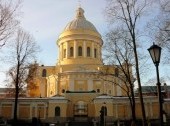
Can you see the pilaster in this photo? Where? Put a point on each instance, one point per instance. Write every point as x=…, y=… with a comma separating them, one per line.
x=92, y=50
x=84, y=49
x=67, y=50
x=75, y=49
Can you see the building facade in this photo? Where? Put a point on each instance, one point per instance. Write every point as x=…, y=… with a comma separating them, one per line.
x=73, y=88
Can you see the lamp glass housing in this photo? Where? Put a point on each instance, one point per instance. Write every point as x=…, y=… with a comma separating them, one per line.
x=155, y=53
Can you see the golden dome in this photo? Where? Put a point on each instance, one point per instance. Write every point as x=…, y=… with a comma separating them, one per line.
x=80, y=42
x=80, y=22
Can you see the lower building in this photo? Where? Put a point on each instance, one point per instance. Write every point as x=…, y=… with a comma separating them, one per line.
x=81, y=105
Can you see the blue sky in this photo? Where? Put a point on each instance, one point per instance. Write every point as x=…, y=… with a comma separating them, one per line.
x=46, y=19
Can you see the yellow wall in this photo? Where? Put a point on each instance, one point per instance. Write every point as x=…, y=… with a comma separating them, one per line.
x=51, y=109
x=6, y=111
x=24, y=111
x=118, y=108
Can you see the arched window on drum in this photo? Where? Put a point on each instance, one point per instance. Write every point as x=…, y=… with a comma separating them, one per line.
x=80, y=51
x=95, y=53
x=88, y=51
x=71, y=52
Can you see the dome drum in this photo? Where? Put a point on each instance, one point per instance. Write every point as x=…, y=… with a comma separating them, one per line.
x=68, y=39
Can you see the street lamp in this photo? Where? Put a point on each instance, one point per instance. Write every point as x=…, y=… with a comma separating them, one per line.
x=155, y=53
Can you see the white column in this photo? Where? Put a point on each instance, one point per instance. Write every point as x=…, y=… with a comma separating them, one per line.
x=92, y=50
x=75, y=49
x=84, y=49
x=67, y=50
x=61, y=52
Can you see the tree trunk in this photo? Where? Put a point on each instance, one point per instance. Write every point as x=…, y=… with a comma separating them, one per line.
x=139, y=83
x=16, y=96
x=133, y=106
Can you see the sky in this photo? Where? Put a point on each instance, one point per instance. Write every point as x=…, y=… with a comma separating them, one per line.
x=46, y=19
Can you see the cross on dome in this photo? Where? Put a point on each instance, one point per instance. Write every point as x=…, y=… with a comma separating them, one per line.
x=80, y=13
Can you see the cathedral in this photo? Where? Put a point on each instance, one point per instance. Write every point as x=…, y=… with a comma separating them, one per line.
x=79, y=63
x=73, y=89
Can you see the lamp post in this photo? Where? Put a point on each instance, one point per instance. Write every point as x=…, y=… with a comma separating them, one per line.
x=155, y=53
x=104, y=111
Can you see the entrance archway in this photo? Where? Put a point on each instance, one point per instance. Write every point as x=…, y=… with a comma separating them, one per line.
x=81, y=109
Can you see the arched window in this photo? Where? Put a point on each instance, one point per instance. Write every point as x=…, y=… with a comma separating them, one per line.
x=79, y=51
x=57, y=111
x=71, y=51
x=44, y=73
x=98, y=90
x=88, y=51
x=95, y=53
x=64, y=53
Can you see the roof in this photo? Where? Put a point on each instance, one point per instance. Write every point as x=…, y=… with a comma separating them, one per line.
x=80, y=22
x=149, y=89
x=93, y=91
x=3, y=90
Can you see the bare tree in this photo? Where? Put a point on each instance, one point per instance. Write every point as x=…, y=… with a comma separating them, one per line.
x=159, y=28
x=127, y=14
x=8, y=22
x=162, y=29
x=165, y=5
x=118, y=49
x=10, y=82
x=22, y=53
